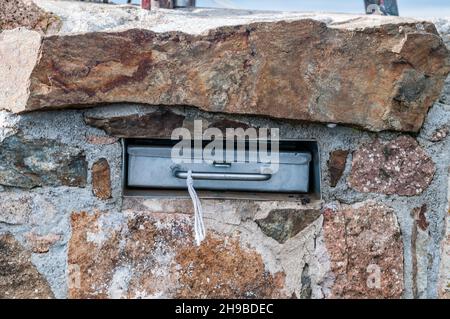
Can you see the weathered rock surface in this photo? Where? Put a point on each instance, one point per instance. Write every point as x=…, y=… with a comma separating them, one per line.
x=139, y=121
x=41, y=244
x=101, y=179
x=444, y=280
x=286, y=66
x=153, y=255
x=366, y=250
x=29, y=163
x=336, y=166
x=155, y=123
x=25, y=13
x=101, y=140
x=420, y=240
x=19, y=278
x=286, y=223
x=399, y=167
x=15, y=209
x=440, y=134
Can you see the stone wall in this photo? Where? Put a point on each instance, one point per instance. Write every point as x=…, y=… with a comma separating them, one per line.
x=67, y=231
x=85, y=240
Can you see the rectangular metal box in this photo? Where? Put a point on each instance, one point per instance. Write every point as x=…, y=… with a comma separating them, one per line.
x=151, y=167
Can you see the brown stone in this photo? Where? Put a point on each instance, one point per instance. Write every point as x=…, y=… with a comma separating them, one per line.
x=19, y=278
x=301, y=69
x=25, y=13
x=399, y=167
x=440, y=134
x=420, y=217
x=283, y=224
x=233, y=272
x=41, y=244
x=29, y=163
x=364, y=240
x=224, y=124
x=153, y=255
x=154, y=124
x=336, y=166
x=101, y=140
x=101, y=179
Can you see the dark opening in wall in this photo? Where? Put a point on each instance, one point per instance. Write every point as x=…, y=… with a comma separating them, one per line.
x=149, y=170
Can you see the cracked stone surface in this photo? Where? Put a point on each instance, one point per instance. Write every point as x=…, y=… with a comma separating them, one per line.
x=101, y=179
x=284, y=224
x=444, y=282
x=399, y=167
x=25, y=13
x=336, y=166
x=152, y=256
x=15, y=209
x=29, y=163
x=231, y=66
x=19, y=278
x=148, y=251
x=365, y=245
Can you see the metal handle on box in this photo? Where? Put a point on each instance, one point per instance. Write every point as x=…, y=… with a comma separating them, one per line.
x=224, y=176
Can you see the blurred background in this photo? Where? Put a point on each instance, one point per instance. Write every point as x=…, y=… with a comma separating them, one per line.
x=408, y=8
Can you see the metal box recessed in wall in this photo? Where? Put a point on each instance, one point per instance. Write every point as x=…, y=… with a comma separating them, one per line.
x=149, y=166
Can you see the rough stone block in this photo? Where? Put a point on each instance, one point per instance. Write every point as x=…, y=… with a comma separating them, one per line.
x=29, y=163
x=374, y=72
x=399, y=167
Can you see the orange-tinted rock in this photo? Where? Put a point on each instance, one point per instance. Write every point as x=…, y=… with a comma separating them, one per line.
x=376, y=74
x=92, y=263
x=25, y=13
x=420, y=218
x=153, y=124
x=101, y=179
x=399, y=167
x=41, y=244
x=365, y=246
x=283, y=224
x=153, y=255
x=19, y=278
x=222, y=269
x=101, y=140
x=336, y=166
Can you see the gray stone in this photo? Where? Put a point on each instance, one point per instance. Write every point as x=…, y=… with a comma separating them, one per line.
x=29, y=163
x=399, y=167
x=19, y=279
x=154, y=123
x=284, y=224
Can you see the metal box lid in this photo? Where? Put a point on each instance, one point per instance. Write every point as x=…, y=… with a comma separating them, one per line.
x=295, y=158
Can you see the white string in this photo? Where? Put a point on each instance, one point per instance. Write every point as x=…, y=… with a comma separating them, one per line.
x=199, y=227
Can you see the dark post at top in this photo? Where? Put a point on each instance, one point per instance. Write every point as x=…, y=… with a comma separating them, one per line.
x=382, y=7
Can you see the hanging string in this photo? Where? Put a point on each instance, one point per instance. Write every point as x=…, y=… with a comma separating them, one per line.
x=199, y=227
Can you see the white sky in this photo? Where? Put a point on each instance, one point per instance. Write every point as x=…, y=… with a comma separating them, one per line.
x=409, y=8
